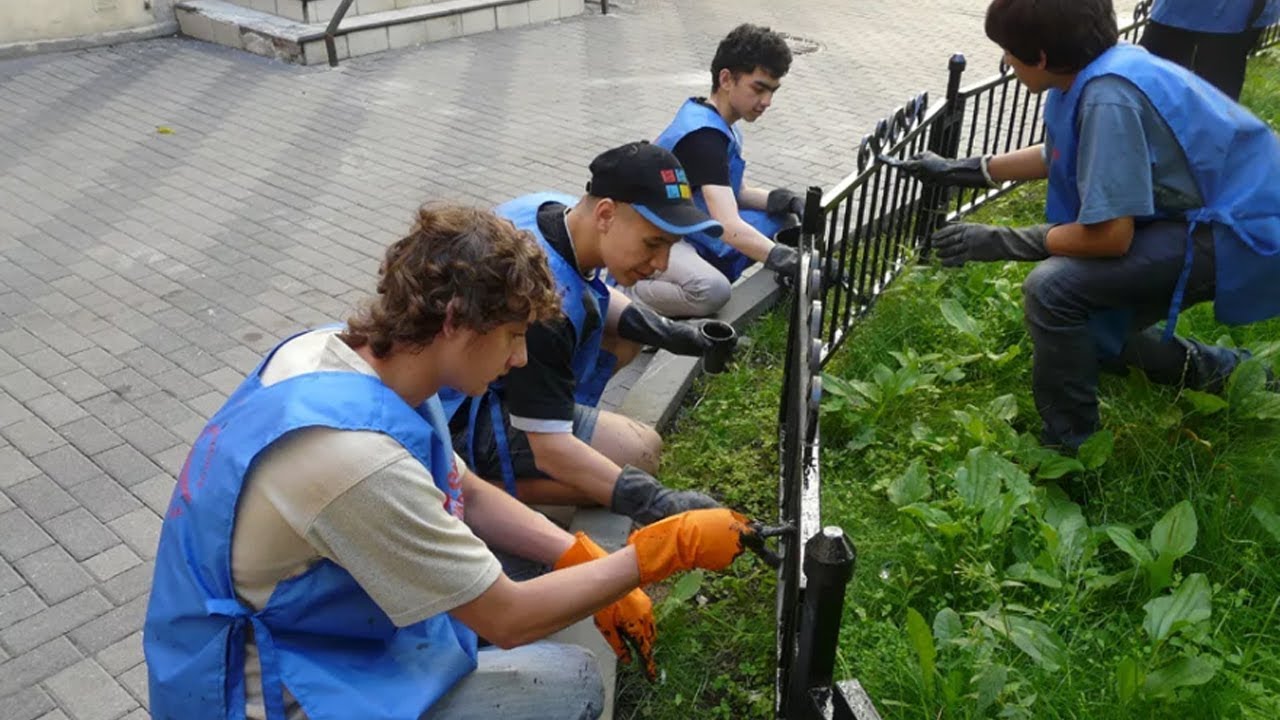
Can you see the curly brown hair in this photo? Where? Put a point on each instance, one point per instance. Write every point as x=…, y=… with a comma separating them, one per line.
x=459, y=259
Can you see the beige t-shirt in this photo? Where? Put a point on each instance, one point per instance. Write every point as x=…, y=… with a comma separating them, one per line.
x=358, y=499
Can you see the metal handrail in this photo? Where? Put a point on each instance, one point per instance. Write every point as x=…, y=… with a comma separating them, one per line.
x=331, y=31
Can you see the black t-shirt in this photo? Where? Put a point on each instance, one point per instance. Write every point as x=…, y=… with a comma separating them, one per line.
x=705, y=156
x=542, y=391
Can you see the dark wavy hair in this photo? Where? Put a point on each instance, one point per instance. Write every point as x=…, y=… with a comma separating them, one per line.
x=455, y=259
x=748, y=47
x=1070, y=33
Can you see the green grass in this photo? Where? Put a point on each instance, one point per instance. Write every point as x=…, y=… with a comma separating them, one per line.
x=716, y=644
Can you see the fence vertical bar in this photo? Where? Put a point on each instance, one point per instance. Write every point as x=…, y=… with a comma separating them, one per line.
x=944, y=139
x=828, y=566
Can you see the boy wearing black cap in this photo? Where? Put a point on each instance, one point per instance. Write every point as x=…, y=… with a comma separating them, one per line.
x=539, y=430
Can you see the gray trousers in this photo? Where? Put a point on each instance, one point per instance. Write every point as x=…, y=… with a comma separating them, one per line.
x=689, y=287
x=1061, y=295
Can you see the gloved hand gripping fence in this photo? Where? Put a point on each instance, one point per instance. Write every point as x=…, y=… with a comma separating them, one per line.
x=782, y=200
x=930, y=167
x=785, y=261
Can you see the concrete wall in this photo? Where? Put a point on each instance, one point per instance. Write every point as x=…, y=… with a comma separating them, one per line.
x=33, y=21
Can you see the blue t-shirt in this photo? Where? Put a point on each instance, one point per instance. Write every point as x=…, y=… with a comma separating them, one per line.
x=1128, y=162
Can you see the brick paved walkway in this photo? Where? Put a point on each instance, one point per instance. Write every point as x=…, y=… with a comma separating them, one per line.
x=143, y=273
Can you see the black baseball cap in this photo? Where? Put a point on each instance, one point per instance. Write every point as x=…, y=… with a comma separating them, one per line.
x=650, y=179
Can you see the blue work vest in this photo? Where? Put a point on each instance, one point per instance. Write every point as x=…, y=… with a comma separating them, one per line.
x=1214, y=16
x=592, y=365
x=320, y=634
x=694, y=116
x=1234, y=158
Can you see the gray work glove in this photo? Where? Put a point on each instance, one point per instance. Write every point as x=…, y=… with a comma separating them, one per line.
x=959, y=243
x=933, y=168
x=641, y=324
x=785, y=261
x=782, y=200
x=639, y=496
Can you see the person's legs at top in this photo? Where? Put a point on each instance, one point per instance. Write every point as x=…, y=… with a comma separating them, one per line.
x=532, y=682
x=1061, y=295
x=619, y=438
x=1171, y=43
x=689, y=287
x=1221, y=59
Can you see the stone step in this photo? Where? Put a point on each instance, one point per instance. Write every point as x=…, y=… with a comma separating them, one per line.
x=321, y=11
x=285, y=38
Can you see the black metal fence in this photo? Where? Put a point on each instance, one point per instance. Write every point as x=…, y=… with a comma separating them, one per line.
x=878, y=220
x=857, y=238
x=817, y=561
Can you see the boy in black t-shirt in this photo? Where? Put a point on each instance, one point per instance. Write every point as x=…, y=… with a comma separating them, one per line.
x=540, y=431
x=704, y=136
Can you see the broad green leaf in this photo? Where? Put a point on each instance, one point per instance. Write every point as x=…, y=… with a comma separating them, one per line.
x=978, y=482
x=921, y=639
x=1059, y=507
x=989, y=684
x=1160, y=574
x=1265, y=513
x=1248, y=379
x=1263, y=406
x=882, y=375
x=1006, y=357
x=912, y=486
x=686, y=587
x=866, y=390
x=1175, y=534
x=1004, y=407
x=957, y=318
x=1248, y=395
x=947, y=626
x=1032, y=637
x=1168, y=418
x=929, y=515
x=1129, y=543
x=1127, y=680
x=1183, y=672
x=864, y=439
x=1204, y=403
x=1073, y=542
x=1055, y=466
x=1029, y=573
x=1095, y=451
x=1189, y=604
x=836, y=385
x=998, y=515
x=974, y=425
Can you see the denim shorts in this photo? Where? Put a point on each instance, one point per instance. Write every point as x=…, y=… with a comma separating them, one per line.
x=487, y=464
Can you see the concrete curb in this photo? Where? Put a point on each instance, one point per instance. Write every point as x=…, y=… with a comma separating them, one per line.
x=114, y=37
x=669, y=377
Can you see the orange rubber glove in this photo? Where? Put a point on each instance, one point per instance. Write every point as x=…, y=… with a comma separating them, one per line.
x=708, y=539
x=627, y=622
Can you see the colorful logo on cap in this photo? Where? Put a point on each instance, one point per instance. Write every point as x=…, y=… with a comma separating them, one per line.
x=677, y=184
